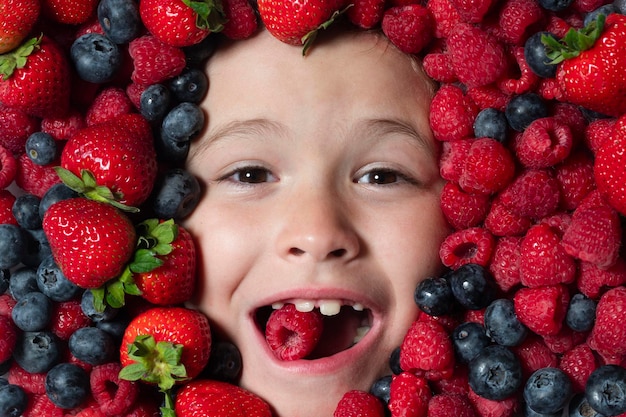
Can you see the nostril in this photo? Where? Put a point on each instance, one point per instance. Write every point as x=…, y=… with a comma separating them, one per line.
x=296, y=251
x=338, y=253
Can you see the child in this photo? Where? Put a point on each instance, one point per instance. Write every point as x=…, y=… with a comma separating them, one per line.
x=321, y=188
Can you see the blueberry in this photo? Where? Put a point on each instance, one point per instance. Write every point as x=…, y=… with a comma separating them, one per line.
x=469, y=339
x=555, y=5
x=13, y=401
x=523, y=109
x=495, y=373
x=119, y=19
x=115, y=327
x=37, y=247
x=620, y=6
x=89, y=310
x=41, y=148
x=605, y=10
x=224, y=362
x=394, y=362
x=198, y=53
x=491, y=123
x=183, y=122
x=434, y=297
x=155, y=102
x=32, y=312
x=581, y=313
x=502, y=324
x=170, y=150
x=92, y=345
x=472, y=286
x=96, y=58
x=37, y=352
x=5, y=279
x=381, y=388
x=25, y=209
x=579, y=407
x=529, y=412
x=67, y=385
x=54, y=283
x=536, y=55
x=55, y=193
x=547, y=390
x=177, y=194
x=12, y=245
x=606, y=390
x=190, y=86
x=22, y=282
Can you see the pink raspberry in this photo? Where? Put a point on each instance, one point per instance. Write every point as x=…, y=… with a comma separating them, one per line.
x=437, y=66
x=8, y=167
x=409, y=395
x=542, y=309
x=518, y=19
x=67, y=317
x=446, y=17
x=452, y=159
x=504, y=264
x=427, y=351
x=33, y=178
x=534, y=354
x=410, y=28
x=62, y=128
x=544, y=143
x=534, y=193
x=501, y=221
x=488, y=96
x=29, y=382
x=509, y=407
x=608, y=336
x=594, y=281
x=473, y=245
x=520, y=79
x=110, y=103
x=461, y=209
x=578, y=363
x=154, y=61
x=446, y=404
x=15, y=128
x=489, y=167
x=292, y=334
x=472, y=11
x=575, y=177
x=452, y=114
x=115, y=396
x=573, y=117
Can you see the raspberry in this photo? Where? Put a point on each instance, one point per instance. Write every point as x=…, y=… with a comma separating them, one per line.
x=504, y=265
x=533, y=354
x=32, y=383
x=134, y=91
x=366, y=13
x=524, y=79
x=586, y=6
x=110, y=103
x=40, y=405
x=489, y=167
x=534, y=193
x=488, y=96
x=8, y=167
x=610, y=168
x=452, y=114
x=62, y=128
x=409, y=395
x=557, y=26
x=437, y=66
x=565, y=340
x=575, y=177
x=113, y=395
x=446, y=17
x=6, y=207
x=9, y=338
x=67, y=317
x=6, y=304
x=461, y=209
x=573, y=117
x=608, y=336
x=476, y=57
x=292, y=334
x=241, y=21
x=445, y=405
x=544, y=143
x=501, y=221
x=452, y=159
x=33, y=178
x=359, y=404
x=456, y=384
x=15, y=127
x=410, y=28
x=597, y=132
x=518, y=19
x=578, y=363
x=593, y=281
x=491, y=408
x=427, y=351
x=542, y=309
x=543, y=261
x=154, y=61
x=472, y=11
x=473, y=245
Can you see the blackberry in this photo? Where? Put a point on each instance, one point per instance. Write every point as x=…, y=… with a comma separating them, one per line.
x=495, y=373
x=469, y=339
x=502, y=324
x=547, y=390
x=434, y=297
x=472, y=286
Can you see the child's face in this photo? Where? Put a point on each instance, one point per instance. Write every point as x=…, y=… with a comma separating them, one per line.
x=322, y=184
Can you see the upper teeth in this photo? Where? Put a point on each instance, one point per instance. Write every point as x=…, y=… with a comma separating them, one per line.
x=326, y=307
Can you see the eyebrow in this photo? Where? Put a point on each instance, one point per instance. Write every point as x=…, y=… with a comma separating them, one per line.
x=396, y=126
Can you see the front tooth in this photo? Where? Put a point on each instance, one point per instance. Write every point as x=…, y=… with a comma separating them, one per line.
x=330, y=307
x=304, y=306
x=357, y=307
x=277, y=306
x=360, y=333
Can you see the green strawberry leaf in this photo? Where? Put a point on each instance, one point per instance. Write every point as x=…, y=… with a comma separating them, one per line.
x=115, y=294
x=98, y=298
x=574, y=42
x=308, y=39
x=17, y=58
x=209, y=14
x=144, y=261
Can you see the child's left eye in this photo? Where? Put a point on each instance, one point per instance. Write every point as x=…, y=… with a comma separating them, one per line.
x=250, y=175
x=383, y=177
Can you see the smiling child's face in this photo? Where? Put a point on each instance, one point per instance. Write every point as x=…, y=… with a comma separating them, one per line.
x=322, y=186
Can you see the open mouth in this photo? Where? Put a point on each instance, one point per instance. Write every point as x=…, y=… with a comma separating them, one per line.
x=344, y=324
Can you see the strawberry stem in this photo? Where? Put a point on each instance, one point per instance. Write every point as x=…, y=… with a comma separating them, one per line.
x=17, y=58
x=308, y=39
x=574, y=42
x=209, y=14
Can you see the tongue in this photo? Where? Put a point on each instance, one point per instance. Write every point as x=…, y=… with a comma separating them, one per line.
x=292, y=334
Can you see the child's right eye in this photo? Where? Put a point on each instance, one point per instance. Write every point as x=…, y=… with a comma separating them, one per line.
x=249, y=175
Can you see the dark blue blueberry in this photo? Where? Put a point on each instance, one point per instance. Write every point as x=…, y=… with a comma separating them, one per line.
x=12, y=245
x=469, y=339
x=472, y=286
x=523, y=109
x=3, y=380
x=26, y=211
x=620, y=6
x=4, y=369
x=197, y=54
x=536, y=55
x=22, y=282
x=529, y=412
x=183, y=122
x=41, y=148
x=115, y=327
x=555, y=5
x=37, y=247
x=119, y=20
x=381, y=388
x=190, y=86
x=547, y=390
x=224, y=363
x=13, y=401
x=92, y=345
x=32, y=312
x=495, y=373
x=55, y=193
x=605, y=10
x=155, y=102
x=491, y=123
x=37, y=352
x=177, y=194
x=170, y=150
x=89, y=310
x=96, y=58
x=579, y=407
x=394, y=362
x=5, y=279
x=502, y=324
x=606, y=390
x=54, y=283
x=581, y=313
x=434, y=297
x=67, y=385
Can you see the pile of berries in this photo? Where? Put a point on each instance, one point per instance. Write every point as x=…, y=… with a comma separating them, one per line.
x=526, y=319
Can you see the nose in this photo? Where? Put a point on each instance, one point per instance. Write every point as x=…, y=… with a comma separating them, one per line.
x=317, y=227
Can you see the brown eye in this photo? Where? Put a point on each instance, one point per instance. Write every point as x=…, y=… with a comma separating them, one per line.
x=252, y=175
x=381, y=177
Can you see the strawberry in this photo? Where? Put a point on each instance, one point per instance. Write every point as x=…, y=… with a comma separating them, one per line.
x=69, y=11
x=427, y=351
x=119, y=154
x=610, y=167
x=181, y=22
x=241, y=19
x=292, y=334
x=600, y=46
x=359, y=404
x=165, y=346
x=35, y=78
x=207, y=398
x=18, y=18
x=90, y=241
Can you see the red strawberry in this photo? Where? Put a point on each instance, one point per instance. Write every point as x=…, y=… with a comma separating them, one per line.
x=9, y=338
x=409, y=395
x=241, y=19
x=601, y=89
x=90, y=241
x=38, y=79
x=181, y=22
x=206, y=398
x=610, y=167
x=292, y=334
x=18, y=18
x=427, y=351
x=542, y=309
x=359, y=404
x=119, y=154
x=68, y=11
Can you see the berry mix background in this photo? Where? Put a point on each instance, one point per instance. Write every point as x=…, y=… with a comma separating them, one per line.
x=528, y=318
